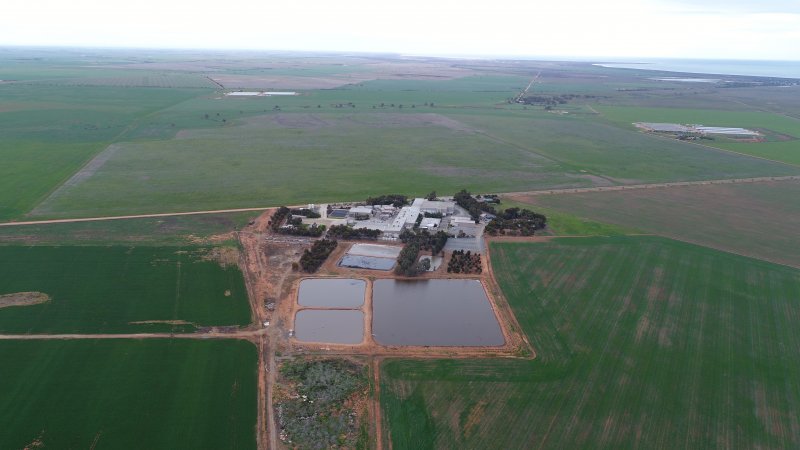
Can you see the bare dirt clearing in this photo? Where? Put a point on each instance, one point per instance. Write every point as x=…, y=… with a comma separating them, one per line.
x=23, y=299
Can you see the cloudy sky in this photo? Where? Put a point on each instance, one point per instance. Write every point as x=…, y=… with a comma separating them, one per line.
x=728, y=29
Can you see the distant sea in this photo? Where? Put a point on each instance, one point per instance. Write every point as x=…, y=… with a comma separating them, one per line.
x=779, y=69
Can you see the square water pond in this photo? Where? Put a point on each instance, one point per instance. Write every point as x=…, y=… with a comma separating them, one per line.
x=334, y=326
x=453, y=312
x=332, y=293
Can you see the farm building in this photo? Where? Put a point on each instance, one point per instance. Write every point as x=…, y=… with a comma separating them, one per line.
x=360, y=212
x=430, y=223
x=434, y=206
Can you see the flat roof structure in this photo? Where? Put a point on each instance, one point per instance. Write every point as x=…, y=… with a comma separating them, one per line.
x=430, y=223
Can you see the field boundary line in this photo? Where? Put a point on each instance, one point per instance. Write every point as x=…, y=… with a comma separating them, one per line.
x=245, y=334
x=650, y=186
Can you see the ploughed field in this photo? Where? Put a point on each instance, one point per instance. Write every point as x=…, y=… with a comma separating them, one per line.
x=641, y=342
x=759, y=219
x=128, y=394
x=120, y=290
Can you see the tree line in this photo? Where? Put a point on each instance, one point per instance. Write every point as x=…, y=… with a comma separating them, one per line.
x=389, y=199
x=313, y=258
x=348, y=232
x=475, y=208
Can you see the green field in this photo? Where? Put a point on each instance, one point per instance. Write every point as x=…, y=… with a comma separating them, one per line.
x=303, y=158
x=295, y=158
x=154, y=394
x=49, y=132
x=641, y=342
x=161, y=137
x=105, y=289
x=152, y=231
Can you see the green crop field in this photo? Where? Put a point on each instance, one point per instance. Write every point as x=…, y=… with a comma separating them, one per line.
x=154, y=394
x=304, y=158
x=641, y=342
x=107, y=289
x=159, y=136
x=786, y=127
x=149, y=231
x=619, y=156
x=49, y=132
x=280, y=157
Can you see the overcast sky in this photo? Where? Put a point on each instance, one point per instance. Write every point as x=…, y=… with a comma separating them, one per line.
x=732, y=29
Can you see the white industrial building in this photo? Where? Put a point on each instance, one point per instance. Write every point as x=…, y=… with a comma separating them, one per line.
x=431, y=224
x=444, y=208
x=360, y=211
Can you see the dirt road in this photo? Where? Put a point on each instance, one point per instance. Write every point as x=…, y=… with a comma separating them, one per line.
x=244, y=334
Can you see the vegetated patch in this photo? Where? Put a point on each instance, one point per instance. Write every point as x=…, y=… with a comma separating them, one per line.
x=640, y=341
x=194, y=230
x=78, y=393
x=104, y=289
x=465, y=262
x=292, y=158
x=224, y=256
x=322, y=403
x=23, y=299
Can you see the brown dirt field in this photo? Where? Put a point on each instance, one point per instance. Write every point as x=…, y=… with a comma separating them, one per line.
x=23, y=299
x=758, y=220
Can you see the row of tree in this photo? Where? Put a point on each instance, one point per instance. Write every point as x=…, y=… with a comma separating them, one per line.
x=515, y=221
x=552, y=100
x=305, y=212
x=313, y=258
x=464, y=262
x=475, y=208
x=348, y=232
x=389, y=199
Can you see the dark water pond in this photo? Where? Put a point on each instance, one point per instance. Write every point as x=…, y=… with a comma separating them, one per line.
x=433, y=312
x=333, y=326
x=332, y=293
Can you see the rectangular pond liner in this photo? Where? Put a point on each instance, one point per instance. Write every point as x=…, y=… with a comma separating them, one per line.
x=440, y=313
x=329, y=326
x=331, y=293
